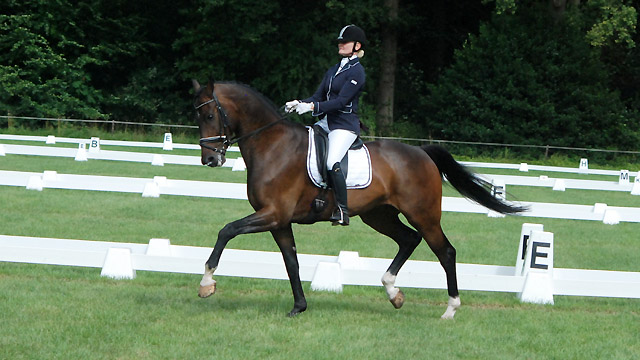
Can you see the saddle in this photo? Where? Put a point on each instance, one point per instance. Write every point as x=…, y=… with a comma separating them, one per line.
x=321, y=140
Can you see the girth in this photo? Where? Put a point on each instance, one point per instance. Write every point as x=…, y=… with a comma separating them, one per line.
x=321, y=139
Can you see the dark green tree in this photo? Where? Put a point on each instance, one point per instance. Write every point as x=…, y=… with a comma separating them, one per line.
x=280, y=48
x=527, y=79
x=43, y=62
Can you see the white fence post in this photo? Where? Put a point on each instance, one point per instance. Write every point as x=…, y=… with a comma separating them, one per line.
x=327, y=277
x=94, y=145
x=624, y=177
x=525, y=233
x=117, y=264
x=168, y=142
x=636, y=185
x=499, y=191
x=584, y=166
x=538, y=269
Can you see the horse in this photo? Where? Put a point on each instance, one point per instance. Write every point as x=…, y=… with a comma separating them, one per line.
x=405, y=180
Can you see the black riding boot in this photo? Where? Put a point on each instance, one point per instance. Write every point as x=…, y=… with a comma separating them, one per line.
x=340, y=216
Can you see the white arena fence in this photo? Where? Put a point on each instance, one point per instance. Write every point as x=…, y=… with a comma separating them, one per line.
x=168, y=144
x=53, y=139
x=163, y=186
x=533, y=277
x=81, y=154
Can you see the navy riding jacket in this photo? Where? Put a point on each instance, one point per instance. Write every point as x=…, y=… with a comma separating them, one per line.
x=338, y=94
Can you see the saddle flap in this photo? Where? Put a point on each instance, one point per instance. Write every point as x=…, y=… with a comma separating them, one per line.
x=321, y=139
x=357, y=144
x=317, y=160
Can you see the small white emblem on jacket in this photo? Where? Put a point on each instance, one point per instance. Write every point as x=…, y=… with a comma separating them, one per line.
x=354, y=82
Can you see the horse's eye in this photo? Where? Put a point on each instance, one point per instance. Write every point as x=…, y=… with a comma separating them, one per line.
x=210, y=117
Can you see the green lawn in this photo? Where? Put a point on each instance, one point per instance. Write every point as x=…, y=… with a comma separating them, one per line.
x=54, y=312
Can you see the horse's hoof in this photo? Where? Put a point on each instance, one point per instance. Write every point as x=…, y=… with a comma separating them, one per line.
x=398, y=300
x=295, y=312
x=206, y=291
x=452, y=307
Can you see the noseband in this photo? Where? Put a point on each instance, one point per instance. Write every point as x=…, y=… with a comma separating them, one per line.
x=224, y=122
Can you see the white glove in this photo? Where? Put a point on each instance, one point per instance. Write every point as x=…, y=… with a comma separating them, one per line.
x=290, y=106
x=304, y=108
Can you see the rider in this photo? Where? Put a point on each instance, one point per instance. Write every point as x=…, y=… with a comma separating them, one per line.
x=336, y=103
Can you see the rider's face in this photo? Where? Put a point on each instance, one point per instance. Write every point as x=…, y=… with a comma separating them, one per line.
x=346, y=49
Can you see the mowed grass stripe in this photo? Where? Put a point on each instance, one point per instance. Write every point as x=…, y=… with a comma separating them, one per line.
x=65, y=312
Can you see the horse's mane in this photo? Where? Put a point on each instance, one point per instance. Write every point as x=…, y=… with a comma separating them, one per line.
x=257, y=94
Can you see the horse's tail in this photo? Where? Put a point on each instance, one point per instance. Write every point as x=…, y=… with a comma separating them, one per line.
x=467, y=183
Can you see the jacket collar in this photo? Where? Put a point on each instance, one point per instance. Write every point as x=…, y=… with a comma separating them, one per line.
x=354, y=60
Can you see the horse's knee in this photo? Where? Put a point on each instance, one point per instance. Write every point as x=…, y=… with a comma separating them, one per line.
x=450, y=252
x=227, y=232
x=415, y=238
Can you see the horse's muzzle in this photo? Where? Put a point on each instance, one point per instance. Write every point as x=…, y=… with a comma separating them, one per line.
x=213, y=159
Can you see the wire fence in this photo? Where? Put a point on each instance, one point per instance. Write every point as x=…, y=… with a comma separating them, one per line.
x=109, y=122
x=548, y=149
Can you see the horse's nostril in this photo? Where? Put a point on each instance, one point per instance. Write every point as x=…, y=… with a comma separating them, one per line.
x=207, y=160
x=211, y=160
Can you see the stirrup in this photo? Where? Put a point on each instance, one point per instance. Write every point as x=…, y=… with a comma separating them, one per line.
x=339, y=217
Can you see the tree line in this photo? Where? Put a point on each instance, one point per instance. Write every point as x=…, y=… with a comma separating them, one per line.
x=543, y=72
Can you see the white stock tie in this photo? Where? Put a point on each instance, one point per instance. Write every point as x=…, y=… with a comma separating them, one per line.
x=343, y=62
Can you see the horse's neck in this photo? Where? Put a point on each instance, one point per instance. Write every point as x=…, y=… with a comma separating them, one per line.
x=275, y=144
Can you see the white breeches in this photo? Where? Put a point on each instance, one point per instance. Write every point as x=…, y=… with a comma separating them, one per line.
x=339, y=142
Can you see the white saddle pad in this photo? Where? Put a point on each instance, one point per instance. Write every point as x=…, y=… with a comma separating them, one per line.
x=358, y=175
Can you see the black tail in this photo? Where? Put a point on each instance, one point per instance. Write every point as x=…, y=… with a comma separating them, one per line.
x=467, y=183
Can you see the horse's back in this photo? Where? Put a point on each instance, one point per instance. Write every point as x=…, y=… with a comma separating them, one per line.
x=403, y=159
x=403, y=173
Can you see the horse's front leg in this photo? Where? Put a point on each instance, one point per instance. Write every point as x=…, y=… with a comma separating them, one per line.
x=260, y=221
x=286, y=243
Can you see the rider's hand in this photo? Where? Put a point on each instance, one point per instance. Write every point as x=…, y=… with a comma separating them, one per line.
x=304, y=108
x=290, y=106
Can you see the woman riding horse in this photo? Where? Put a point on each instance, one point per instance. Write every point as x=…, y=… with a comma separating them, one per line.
x=336, y=102
x=407, y=180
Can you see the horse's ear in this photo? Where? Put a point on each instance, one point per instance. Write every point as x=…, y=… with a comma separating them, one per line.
x=196, y=85
x=210, y=85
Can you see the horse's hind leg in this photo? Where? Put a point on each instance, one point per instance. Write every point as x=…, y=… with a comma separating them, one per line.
x=447, y=256
x=446, y=253
x=385, y=220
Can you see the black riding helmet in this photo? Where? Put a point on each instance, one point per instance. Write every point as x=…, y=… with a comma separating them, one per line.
x=352, y=33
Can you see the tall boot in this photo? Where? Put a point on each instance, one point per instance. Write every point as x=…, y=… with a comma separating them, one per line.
x=340, y=216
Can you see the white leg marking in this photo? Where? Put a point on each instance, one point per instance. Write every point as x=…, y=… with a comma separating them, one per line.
x=454, y=304
x=207, y=279
x=389, y=282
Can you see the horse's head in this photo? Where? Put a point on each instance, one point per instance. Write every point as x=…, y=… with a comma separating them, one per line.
x=213, y=123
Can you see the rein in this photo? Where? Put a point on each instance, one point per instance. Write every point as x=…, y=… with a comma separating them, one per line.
x=224, y=120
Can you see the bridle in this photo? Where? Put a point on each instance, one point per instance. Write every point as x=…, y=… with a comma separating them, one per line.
x=224, y=124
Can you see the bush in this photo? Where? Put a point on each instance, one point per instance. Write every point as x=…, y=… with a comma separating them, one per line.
x=526, y=80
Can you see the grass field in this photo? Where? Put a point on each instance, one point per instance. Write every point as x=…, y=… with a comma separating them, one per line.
x=50, y=312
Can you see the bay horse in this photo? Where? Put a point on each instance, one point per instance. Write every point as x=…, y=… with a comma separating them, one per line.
x=406, y=180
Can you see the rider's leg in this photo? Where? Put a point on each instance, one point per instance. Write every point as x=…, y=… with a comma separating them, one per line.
x=339, y=143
